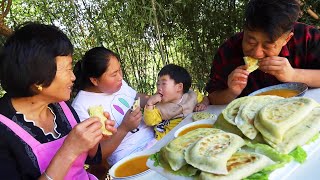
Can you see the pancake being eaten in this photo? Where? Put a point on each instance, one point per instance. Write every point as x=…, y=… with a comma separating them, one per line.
x=97, y=111
x=252, y=63
x=136, y=104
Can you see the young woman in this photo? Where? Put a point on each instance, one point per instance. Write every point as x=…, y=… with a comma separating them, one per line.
x=99, y=78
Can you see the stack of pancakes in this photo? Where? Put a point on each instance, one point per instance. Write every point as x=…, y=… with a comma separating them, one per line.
x=214, y=153
x=282, y=123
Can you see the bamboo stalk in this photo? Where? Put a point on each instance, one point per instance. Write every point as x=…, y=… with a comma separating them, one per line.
x=312, y=13
x=158, y=31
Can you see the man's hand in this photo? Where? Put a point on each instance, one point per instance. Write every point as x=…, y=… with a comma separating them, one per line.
x=237, y=80
x=278, y=67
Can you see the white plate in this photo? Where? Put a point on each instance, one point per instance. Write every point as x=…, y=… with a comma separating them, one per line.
x=281, y=173
x=301, y=88
x=203, y=121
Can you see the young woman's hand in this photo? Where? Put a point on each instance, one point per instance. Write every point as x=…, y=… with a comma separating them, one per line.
x=131, y=120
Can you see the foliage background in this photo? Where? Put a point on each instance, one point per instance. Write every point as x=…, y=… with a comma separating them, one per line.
x=147, y=34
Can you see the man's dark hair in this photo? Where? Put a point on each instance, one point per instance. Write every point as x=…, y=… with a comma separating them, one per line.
x=178, y=74
x=273, y=17
x=28, y=57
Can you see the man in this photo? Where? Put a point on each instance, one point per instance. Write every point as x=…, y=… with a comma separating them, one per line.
x=287, y=52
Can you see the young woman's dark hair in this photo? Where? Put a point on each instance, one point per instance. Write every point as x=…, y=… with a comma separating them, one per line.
x=178, y=74
x=28, y=58
x=93, y=64
x=274, y=17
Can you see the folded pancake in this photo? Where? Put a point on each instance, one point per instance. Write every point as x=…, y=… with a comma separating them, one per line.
x=202, y=115
x=231, y=111
x=211, y=153
x=299, y=134
x=136, y=104
x=274, y=119
x=247, y=112
x=240, y=165
x=222, y=124
x=174, y=151
x=186, y=170
x=251, y=62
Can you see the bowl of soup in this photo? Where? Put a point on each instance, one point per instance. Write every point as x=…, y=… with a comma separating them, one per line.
x=133, y=166
x=285, y=90
x=204, y=123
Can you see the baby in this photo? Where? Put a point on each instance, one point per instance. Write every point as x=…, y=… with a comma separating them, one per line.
x=173, y=101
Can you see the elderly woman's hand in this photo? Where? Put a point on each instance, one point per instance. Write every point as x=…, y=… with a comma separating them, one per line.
x=84, y=136
x=131, y=120
x=109, y=125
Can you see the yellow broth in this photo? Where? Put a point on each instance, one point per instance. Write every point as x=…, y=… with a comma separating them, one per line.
x=132, y=167
x=191, y=128
x=286, y=93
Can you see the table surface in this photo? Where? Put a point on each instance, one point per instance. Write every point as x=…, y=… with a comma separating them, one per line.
x=309, y=170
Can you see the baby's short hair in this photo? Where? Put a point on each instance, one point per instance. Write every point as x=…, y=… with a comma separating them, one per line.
x=178, y=74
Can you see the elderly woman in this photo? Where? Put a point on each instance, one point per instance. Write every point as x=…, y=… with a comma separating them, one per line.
x=41, y=136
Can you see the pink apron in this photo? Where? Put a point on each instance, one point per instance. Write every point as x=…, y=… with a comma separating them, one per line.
x=45, y=152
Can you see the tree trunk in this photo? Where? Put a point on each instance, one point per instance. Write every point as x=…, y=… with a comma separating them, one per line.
x=5, y=8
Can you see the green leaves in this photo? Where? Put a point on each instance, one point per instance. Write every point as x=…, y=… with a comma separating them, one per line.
x=299, y=154
x=146, y=34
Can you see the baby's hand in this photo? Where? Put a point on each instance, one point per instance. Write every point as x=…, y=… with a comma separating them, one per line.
x=154, y=99
x=200, y=107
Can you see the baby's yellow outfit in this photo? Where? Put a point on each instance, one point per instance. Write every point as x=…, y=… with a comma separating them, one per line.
x=165, y=116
